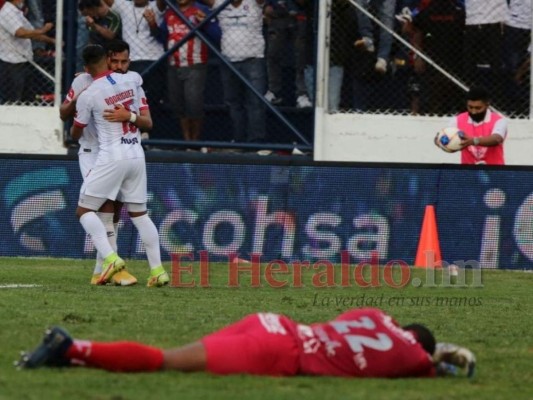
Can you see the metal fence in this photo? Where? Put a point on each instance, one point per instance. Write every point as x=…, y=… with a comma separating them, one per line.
x=27, y=66
x=258, y=78
x=208, y=72
x=419, y=57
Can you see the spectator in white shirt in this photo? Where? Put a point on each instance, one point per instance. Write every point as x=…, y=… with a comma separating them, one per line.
x=16, y=53
x=243, y=44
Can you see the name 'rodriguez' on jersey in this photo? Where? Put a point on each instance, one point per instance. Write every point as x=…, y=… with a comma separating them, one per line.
x=117, y=140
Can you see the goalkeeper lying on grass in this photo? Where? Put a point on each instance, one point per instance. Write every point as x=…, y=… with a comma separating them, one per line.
x=362, y=342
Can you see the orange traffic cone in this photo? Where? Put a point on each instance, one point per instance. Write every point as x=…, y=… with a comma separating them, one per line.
x=428, y=254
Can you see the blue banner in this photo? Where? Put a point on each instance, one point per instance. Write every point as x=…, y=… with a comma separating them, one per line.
x=286, y=212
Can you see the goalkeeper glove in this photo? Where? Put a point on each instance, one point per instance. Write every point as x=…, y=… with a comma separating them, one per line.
x=451, y=359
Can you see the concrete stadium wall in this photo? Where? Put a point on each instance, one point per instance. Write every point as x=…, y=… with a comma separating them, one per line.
x=31, y=130
x=338, y=137
x=404, y=139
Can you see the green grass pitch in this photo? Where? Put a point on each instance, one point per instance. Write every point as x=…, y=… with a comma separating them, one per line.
x=495, y=321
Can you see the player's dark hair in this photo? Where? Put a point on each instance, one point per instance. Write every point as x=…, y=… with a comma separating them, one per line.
x=84, y=4
x=478, y=93
x=93, y=54
x=423, y=336
x=117, y=46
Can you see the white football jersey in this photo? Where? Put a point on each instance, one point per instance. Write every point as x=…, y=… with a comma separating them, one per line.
x=89, y=139
x=117, y=140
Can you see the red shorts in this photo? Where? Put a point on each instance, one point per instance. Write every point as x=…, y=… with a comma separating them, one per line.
x=259, y=344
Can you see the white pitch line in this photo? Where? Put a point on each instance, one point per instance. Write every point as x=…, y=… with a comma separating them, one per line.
x=18, y=286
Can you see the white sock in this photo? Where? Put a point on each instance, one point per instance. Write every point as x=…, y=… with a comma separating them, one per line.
x=107, y=220
x=96, y=230
x=150, y=238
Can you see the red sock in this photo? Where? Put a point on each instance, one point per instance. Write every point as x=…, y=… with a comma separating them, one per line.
x=116, y=356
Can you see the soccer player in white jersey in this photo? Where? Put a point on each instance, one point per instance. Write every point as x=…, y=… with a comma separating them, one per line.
x=118, y=61
x=113, y=101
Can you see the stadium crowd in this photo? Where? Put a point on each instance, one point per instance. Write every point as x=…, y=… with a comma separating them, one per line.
x=260, y=53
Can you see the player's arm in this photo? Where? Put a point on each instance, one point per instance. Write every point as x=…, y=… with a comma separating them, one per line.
x=120, y=114
x=76, y=131
x=83, y=115
x=67, y=110
x=146, y=120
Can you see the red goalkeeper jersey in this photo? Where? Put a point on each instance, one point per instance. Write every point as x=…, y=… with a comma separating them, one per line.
x=361, y=343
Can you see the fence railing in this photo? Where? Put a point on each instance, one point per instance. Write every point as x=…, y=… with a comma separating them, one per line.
x=252, y=83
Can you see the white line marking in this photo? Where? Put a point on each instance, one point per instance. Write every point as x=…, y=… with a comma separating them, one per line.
x=18, y=286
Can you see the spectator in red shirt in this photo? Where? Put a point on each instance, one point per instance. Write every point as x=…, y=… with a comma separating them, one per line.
x=188, y=64
x=359, y=343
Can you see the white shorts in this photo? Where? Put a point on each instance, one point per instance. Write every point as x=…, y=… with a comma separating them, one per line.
x=87, y=161
x=123, y=180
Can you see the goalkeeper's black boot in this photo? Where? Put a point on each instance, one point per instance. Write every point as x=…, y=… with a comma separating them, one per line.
x=51, y=351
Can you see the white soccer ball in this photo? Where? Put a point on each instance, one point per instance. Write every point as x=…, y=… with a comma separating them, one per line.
x=449, y=139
